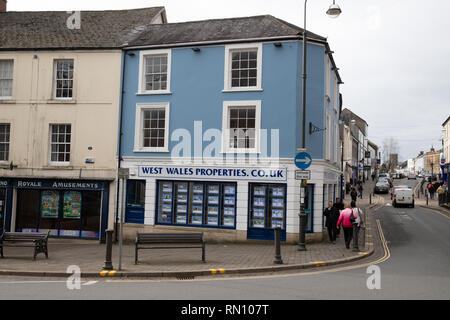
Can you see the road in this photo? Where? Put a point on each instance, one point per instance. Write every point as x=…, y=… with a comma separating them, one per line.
x=417, y=267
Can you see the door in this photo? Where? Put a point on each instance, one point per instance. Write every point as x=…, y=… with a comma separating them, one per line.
x=267, y=210
x=134, y=211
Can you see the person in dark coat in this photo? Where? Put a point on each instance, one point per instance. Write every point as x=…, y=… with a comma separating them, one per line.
x=354, y=194
x=332, y=215
x=339, y=206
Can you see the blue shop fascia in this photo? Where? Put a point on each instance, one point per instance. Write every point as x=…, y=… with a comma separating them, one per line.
x=66, y=208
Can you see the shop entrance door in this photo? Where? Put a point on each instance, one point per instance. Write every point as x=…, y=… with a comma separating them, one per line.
x=267, y=210
x=2, y=209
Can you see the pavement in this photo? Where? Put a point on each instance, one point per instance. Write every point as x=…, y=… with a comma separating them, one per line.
x=221, y=259
x=421, y=200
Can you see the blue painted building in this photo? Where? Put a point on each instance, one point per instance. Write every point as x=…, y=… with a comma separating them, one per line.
x=211, y=120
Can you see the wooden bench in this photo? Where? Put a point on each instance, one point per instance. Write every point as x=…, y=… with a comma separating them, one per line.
x=169, y=241
x=25, y=239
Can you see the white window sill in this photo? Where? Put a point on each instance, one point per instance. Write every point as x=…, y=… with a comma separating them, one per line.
x=242, y=90
x=61, y=101
x=151, y=150
x=240, y=151
x=59, y=164
x=146, y=93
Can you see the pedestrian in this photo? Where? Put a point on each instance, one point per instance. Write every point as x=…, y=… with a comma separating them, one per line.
x=353, y=194
x=358, y=222
x=344, y=219
x=339, y=206
x=332, y=215
x=431, y=190
x=373, y=176
x=360, y=189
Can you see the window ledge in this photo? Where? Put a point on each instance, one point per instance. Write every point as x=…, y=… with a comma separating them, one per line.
x=151, y=150
x=243, y=90
x=62, y=101
x=58, y=166
x=153, y=93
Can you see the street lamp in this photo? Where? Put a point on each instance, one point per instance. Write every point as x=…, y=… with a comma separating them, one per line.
x=334, y=11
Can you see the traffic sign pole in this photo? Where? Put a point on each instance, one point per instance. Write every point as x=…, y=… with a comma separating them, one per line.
x=302, y=161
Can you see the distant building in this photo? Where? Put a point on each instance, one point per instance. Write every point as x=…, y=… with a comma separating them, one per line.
x=432, y=164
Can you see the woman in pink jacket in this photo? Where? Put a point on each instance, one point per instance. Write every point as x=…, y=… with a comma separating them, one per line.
x=347, y=225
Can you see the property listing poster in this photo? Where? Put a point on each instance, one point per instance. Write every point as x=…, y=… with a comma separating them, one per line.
x=72, y=205
x=49, y=204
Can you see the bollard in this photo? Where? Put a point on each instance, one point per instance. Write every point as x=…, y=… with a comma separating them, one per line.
x=108, y=261
x=426, y=195
x=355, y=238
x=370, y=198
x=277, y=232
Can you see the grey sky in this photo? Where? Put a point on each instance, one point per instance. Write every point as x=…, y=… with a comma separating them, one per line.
x=393, y=55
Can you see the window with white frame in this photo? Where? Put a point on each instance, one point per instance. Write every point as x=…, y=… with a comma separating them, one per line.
x=6, y=78
x=336, y=143
x=241, y=126
x=60, y=139
x=4, y=141
x=63, y=79
x=327, y=78
x=327, y=137
x=336, y=94
x=155, y=72
x=152, y=128
x=243, y=65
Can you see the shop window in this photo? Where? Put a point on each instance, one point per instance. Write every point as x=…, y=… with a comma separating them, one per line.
x=197, y=204
x=27, y=210
x=63, y=213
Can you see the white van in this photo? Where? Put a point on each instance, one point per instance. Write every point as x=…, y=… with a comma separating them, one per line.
x=403, y=197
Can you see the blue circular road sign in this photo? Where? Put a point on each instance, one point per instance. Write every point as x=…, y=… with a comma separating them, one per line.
x=303, y=160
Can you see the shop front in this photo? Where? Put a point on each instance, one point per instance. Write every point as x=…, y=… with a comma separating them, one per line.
x=65, y=208
x=226, y=203
x=3, y=192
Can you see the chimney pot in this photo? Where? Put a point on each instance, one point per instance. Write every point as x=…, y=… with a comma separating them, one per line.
x=3, y=5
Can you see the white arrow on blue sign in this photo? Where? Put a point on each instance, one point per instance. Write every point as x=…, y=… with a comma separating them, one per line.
x=303, y=160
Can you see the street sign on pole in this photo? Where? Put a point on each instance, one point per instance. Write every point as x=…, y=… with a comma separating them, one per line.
x=303, y=160
x=302, y=174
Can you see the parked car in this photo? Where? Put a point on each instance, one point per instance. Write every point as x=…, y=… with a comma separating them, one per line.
x=381, y=187
x=403, y=196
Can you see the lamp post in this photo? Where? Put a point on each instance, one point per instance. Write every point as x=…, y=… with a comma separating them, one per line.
x=334, y=11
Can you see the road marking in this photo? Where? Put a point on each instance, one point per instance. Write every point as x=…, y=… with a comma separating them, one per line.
x=90, y=283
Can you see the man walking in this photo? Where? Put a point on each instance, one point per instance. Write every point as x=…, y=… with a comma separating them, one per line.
x=332, y=215
x=360, y=189
x=353, y=194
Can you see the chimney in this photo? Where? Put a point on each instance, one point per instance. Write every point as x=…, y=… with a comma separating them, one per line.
x=2, y=5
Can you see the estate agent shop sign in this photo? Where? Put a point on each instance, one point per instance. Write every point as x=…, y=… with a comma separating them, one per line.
x=272, y=174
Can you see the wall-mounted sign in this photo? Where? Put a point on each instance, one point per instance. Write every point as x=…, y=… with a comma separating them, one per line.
x=302, y=174
x=263, y=174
